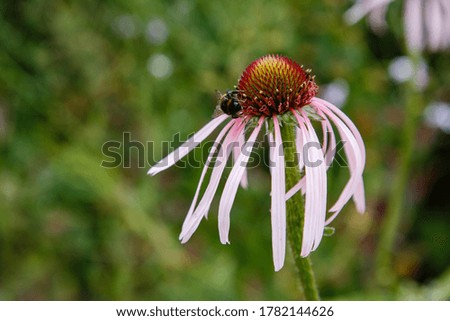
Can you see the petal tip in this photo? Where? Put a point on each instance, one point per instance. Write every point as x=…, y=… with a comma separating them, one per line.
x=304, y=253
x=361, y=209
x=278, y=267
x=152, y=171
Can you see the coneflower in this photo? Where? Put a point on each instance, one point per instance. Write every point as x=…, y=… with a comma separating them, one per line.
x=426, y=23
x=276, y=91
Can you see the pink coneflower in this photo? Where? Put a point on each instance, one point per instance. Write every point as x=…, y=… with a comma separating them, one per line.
x=278, y=92
x=426, y=22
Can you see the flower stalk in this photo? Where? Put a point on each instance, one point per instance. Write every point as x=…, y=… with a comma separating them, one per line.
x=295, y=216
x=396, y=205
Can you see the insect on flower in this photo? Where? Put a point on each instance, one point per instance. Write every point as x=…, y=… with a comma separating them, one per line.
x=228, y=103
x=277, y=91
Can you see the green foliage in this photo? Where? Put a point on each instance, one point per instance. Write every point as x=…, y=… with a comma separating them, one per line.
x=77, y=74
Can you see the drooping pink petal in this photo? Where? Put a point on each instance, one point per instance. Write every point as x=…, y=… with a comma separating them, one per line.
x=445, y=41
x=377, y=19
x=316, y=184
x=354, y=161
x=362, y=8
x=187, y=146
x=413, y=25
x=349, y=124
x=328, y=149
x=231, y=186
x=278, y=206
x=308, y=235
x=355, y=158
x=320, y=174
x=205, y=169
x=433, y=23
x=236, y=152
x=358, y=196
x=202, y=209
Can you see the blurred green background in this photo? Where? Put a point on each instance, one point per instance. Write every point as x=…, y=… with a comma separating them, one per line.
x=76, y=74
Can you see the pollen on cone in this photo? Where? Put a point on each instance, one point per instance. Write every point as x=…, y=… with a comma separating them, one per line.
x=273, y=84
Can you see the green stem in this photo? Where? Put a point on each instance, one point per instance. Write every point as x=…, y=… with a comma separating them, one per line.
x=396, y=203
x=295, y=216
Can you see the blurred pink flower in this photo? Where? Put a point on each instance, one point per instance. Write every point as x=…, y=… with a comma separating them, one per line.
x=271, y=88
x=426, y=23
